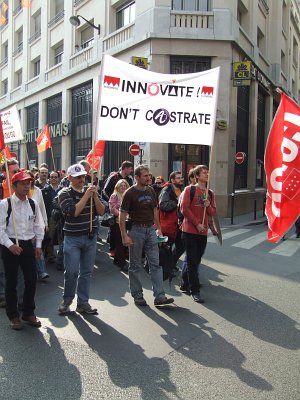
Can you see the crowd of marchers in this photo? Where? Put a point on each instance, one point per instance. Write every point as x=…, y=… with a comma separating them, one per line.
x=54, y=217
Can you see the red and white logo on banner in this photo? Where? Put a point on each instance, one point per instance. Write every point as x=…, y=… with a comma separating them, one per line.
x=282, y=166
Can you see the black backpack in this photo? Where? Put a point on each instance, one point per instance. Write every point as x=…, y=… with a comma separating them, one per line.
x=180, y=215
x=165, y=261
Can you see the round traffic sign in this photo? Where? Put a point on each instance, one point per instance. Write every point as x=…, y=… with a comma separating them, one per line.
x=134, y=149
x=240, y=157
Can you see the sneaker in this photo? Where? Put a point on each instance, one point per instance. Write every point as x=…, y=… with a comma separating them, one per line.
x=197, y=298
x=64, y=308
x=2, y=302
x=163, y=301
x=43, y=276
x=140, y=301
x=16, y=324
x=184, y=288
x=86, y=308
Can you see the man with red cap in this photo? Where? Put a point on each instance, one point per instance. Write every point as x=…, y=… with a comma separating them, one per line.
x=18, y=248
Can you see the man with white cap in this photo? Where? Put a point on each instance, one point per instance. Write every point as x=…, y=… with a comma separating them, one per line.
x=77, y=202
x=18, y=248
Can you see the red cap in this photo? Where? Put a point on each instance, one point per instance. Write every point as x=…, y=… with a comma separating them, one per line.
x=21, y=176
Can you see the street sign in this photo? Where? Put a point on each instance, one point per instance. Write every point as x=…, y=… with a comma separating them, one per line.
x=240, y=157
x=134, y=149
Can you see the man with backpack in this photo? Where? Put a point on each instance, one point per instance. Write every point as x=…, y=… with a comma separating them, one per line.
x=196, y=211
x=168, y=214
x=18, y=248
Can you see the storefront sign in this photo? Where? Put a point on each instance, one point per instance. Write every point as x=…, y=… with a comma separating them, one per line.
x=59, y=129
x=140, y=62
x=242, y=73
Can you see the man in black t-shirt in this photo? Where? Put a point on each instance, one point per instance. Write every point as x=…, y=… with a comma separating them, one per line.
x=139, y=202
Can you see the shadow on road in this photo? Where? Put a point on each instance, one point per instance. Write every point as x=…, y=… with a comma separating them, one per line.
x=127, y=364
x=36, y=367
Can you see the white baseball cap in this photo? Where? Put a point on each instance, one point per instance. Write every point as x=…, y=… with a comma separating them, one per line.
x=76, y=170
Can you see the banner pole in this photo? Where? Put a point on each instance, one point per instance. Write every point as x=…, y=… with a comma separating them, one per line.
x=54, y=169
x=208, y=181
x=10, y=195
x=27, y=157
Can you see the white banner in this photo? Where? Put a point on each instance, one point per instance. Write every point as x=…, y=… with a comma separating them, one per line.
x=144, y=106
x=11, y=125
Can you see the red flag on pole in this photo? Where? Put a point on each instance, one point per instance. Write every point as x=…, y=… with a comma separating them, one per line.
x=99, y=152
x=282, y=166
x=5, y=153
x=43, y=141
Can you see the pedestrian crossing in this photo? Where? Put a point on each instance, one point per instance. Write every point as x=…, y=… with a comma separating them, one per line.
x=247, y=238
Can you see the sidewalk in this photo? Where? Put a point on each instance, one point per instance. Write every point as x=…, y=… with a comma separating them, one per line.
x=243, y=220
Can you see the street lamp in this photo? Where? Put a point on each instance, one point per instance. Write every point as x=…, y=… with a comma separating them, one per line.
x=75, y=21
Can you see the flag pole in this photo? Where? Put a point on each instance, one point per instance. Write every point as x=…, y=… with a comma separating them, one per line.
x=207, y=185
x=92, y=169
x=54, y=169
x=27, y=157
x=10, y=196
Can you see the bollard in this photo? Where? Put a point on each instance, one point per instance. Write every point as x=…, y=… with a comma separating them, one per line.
x=255, y=209
x=232, y=208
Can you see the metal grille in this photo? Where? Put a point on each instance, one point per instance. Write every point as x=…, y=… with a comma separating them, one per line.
x=115, y=154
x=82, y=115
x=32, y=125
x=242, y=134
x=54, y=116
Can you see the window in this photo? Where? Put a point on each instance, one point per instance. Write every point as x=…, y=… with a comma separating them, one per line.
x=125, y=15
x=18, y=41
x=58, y=54
x=260, y=138
x=260, y=40
x=59, y=6
x=283, y=62
x=190, y=5
x=87, y=37
x=295, y=52
x=36, y=67
x=18, y=78
x=4, y=86
x=36, y=22
x=54, y=119
x=4, y=52
x=32, y=131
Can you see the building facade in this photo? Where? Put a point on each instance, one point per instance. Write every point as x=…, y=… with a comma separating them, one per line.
x=50, y=69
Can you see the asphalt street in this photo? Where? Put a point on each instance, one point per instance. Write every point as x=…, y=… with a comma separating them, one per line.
x=242, y=343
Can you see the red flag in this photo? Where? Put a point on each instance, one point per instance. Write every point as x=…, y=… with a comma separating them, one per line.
x=2, y=143
x=5, y=153
x=282, y=166
x=43, y=141
x=99, y=153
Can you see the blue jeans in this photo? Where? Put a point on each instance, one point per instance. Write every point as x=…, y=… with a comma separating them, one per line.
x=144, y=239
x=41, y=265
x=79, y=259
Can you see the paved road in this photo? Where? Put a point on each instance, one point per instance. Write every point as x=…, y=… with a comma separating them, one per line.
x=243, y=343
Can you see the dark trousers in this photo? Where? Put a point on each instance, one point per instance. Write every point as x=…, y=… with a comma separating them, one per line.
x=178, y=249
x=120, y=250
x=194, y=246
x=26, y=260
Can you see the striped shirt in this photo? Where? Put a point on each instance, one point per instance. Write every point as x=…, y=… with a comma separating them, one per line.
x=80, y=225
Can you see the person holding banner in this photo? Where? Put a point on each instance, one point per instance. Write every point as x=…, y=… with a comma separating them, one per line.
x=194, y=227
x=139, y=201
x=18, y=248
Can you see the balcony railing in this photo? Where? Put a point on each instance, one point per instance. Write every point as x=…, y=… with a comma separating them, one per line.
x=35, y=36
x=18, y=50
x=57, y=18
x=81, y=57
x=191, y=19
x=53, y=72
x=77, y=2
x=33, y=83
x=118, y=37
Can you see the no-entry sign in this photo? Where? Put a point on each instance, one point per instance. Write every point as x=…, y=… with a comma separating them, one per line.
x=134, y=149
x=240, y=157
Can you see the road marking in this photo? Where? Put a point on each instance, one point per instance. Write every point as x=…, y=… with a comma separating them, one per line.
x=251, y=241
x=287, y=248
x=229, y=235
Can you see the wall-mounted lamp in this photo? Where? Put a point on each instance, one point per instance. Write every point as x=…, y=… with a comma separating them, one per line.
x=75, y=21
